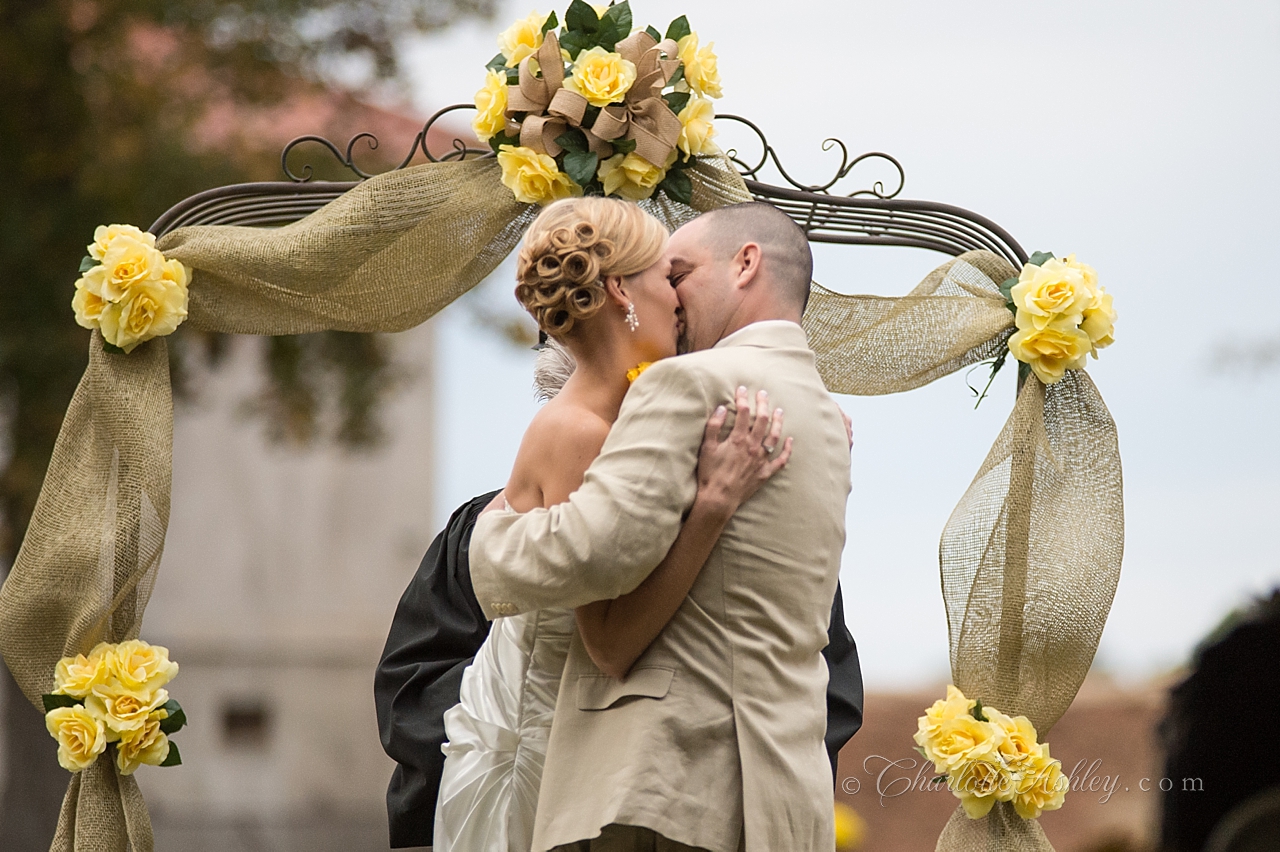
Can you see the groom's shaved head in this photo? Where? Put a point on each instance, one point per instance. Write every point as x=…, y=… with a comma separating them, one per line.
x=783, y=244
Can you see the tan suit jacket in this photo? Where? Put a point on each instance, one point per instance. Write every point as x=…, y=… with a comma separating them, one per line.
x=720, y=723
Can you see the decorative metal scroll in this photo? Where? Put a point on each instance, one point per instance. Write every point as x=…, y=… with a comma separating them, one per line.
x=847, y=165
x=459, y=150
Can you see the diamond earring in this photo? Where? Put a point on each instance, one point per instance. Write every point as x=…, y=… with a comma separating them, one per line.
x=633, y=321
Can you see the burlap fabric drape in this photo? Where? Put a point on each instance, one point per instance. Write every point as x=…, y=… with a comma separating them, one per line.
x=1030, y=557
x=399, y=247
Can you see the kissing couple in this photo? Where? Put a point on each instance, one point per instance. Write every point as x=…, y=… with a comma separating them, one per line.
x=638, y=644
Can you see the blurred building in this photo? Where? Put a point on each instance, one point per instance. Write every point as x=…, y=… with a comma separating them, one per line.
x=281, y=574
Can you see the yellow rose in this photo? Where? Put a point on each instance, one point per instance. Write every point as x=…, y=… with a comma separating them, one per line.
x=851, y=828
x=700, y=66
x=81, y=737
x=103, y=235
x=1043, y=787
x=632, y=176
x=962, y=740
x=1051, y=291
x=1019, y=746
x=982, y=783
x=600, y=76
x=1100, y=321
x=534, y=178
x=1087, y=272
x=140, y=665
x=124, y=710
x=153, y=309
x=1052, y=350
x=87, y=303
x=77, y=676
x=521, y=39
x=126, y=263
x=942, y=711
x=491, y=106
x=695, y=127
x=146, y=745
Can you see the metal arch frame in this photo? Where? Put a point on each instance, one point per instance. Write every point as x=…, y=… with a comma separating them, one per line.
x=870, y=216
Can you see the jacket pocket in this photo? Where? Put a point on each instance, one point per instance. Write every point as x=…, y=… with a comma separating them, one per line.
x=600, y=692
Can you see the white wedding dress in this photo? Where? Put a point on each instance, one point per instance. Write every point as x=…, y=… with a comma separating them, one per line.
x=497, y=735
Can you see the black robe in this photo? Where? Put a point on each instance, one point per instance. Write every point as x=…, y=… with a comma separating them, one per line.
x=438, y=628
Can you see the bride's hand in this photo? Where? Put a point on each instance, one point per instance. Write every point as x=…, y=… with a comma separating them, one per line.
x=731, y=470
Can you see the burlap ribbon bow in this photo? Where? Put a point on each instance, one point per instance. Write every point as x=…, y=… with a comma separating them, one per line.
x=550, y=109
x=644, y=116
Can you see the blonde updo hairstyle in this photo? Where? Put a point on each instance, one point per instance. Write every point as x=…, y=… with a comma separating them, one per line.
x=570, y=249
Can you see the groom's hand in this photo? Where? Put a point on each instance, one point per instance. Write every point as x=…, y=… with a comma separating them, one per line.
x=732, y=469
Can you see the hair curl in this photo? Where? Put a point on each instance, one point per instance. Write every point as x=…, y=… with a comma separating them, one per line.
x=572, y=247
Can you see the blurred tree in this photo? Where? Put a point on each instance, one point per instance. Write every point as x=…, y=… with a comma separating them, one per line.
x=108, y=117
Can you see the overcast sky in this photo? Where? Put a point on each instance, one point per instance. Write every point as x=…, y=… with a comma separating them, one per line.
x=1141, y=136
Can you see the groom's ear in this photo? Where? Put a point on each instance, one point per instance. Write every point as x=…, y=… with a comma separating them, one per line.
x=746, y=265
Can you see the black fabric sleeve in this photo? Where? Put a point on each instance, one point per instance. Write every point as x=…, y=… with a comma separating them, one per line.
x=437, y=630
x=844, y=684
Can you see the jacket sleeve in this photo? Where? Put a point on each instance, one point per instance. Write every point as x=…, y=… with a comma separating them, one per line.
x=844, y=684
x=437, y=630
x=616, y=528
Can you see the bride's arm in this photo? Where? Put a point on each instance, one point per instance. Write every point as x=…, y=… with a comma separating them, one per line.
x=616, y=632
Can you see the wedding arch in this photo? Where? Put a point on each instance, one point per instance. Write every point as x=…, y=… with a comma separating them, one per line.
x=1029, y=559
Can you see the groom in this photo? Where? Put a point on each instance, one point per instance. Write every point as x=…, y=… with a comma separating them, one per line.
x=715, y=739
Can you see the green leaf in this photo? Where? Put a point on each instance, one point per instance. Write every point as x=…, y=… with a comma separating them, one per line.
x=679, y=28
x=576, y=42
x=581, y=17
x=977, y=712
x=112, y=348
x=623, y=146
x=53, y=702
x=573, y=139
x=175, y=756
x=589, y=117
x=497, y=63
x=677, y=186
x=581, y=166
x=676, y=100
x=87, y=263
x=177, y=719
x=677, y=76
x=615, y=25
x=1006, y=288
x=513, y=76
x=499, y=139
x=653, y=32
x=550, y=23
x=1039, y=258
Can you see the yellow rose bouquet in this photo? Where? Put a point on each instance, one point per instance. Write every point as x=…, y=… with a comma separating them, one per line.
x=595, y=108
x=988, y=757
x=1061, y=313
x=128, y=289
x=115, y=696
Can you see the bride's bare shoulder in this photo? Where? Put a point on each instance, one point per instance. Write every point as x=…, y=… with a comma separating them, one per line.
x=562, y=427
x=558, y=447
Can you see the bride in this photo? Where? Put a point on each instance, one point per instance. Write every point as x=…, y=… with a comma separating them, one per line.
x=592, y=273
